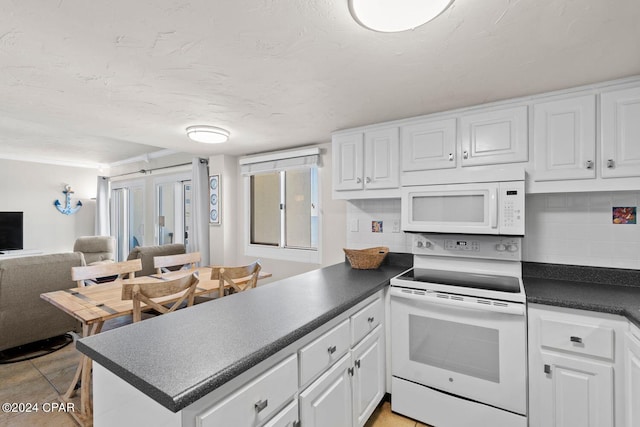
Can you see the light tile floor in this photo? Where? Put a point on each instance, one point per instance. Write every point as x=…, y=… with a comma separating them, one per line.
x=38, y=381
x=383, y=417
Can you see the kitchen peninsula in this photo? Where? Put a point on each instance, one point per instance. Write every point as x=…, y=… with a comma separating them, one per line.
x=179, y=366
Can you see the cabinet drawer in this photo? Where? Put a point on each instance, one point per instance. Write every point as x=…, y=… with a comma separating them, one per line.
x=366, y=320
x=593, y=340
x=285, y=418
x=255, y=402
x=323, y=352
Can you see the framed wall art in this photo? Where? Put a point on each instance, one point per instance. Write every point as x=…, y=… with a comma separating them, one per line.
x=214, y=199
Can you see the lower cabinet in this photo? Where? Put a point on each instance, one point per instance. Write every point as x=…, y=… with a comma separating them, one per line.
x=576, y=368
x=574, y=392
x=632, y=379
x=348, y=393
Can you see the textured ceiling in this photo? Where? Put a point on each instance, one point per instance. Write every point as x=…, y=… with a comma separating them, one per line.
x=102, y=81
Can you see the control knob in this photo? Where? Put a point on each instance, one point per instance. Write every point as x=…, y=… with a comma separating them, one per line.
x=422, y=244
x=512, y=248
x=501, y=247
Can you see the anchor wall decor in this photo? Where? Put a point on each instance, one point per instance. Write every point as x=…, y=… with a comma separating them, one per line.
x=67, y=209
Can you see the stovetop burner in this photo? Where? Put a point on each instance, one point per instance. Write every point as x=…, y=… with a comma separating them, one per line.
x=463, y=279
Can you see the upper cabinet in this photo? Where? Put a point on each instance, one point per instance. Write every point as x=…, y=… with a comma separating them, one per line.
x=564, y=139
x=579, y=139
x=365, y=163
x=620, y=133
x=429, y=144
x=494, y=137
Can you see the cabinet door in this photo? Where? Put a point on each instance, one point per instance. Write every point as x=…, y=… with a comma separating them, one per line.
x=327, y=401
x=632, y=378
x=620, y=146
x=574, y=393
x=369, y=376
x=494, y=137
x=564, y=135
x=429, y=145
x=381, y=162
x=348, y=158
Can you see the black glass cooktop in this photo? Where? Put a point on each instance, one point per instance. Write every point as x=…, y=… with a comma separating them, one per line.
x=463, y=279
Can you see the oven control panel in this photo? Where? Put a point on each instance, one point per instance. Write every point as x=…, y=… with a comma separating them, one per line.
x=472, y=246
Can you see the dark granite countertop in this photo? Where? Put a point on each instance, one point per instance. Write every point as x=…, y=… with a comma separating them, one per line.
x=178, y=358
x=607, y=290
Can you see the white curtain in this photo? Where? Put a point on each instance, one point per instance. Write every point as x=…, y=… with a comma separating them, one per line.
x=199, y=237
x=102, y=207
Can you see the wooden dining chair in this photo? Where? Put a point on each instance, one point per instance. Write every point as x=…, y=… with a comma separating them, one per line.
x=143, y=292
x=230, y=276
x=101, y=273
x=187, y=261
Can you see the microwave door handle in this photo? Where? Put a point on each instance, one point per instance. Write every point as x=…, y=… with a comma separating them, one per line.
x=493, y=208
x=515, y=309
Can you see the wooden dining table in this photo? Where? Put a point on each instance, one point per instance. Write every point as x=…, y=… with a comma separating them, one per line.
x=93, y=305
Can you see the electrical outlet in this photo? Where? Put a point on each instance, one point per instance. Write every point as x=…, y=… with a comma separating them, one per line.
x=395, y=226
x=353, y=226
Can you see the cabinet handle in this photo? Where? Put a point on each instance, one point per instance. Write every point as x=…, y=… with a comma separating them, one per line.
x=576, y=339
x=357, y=363
x=451, y=157
x=350, y=371
x=465, y=154
x=358, y=180
x=367, y=180
x=611, y=164
x=547, y=369
x=332, y=349
x=261, y=404
x=589, y=164
x=370, y=319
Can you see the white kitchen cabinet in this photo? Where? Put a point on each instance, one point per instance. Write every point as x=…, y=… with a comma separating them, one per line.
x=258, y=400
x=288, y=417
x=620, y=133
x=495, y=136
x=428, y=145
x=576, y=372
x=369, y=376
x=327, y=402
x=564, y=139
x=632, y=379
x=574, y=392
x=348, y=161
x=366, y=162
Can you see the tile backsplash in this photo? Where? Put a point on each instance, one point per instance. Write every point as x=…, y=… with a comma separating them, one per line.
x=578, y=228
x=362, y=213
x=561, y=228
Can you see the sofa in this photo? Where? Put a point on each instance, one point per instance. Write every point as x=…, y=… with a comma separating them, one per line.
x=96, y=249
x=146, y=254
x=24, y=316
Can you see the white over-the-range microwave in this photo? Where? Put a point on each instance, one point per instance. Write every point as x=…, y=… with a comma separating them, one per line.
x=475, y=208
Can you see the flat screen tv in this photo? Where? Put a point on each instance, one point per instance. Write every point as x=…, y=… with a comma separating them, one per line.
x=10, y=231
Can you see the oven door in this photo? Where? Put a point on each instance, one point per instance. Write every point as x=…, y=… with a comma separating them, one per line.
x=463, y=347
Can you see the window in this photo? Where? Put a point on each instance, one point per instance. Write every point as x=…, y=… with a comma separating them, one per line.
x=282, y=218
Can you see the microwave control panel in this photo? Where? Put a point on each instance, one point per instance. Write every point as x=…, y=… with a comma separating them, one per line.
x=471, y=246
x=511, y=215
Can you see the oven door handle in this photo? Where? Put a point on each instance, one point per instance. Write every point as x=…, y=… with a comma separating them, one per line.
x=515, y=309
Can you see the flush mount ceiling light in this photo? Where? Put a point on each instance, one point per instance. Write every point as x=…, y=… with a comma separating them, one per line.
x=389, y=16
x=208, y=134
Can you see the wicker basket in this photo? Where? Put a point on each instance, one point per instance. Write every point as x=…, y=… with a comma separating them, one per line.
x=366, y=259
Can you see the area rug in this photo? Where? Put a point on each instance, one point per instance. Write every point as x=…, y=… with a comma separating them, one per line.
x=35, y=349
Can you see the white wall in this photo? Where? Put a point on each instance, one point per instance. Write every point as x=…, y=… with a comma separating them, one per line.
x=562, y=228
x=33, y=187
